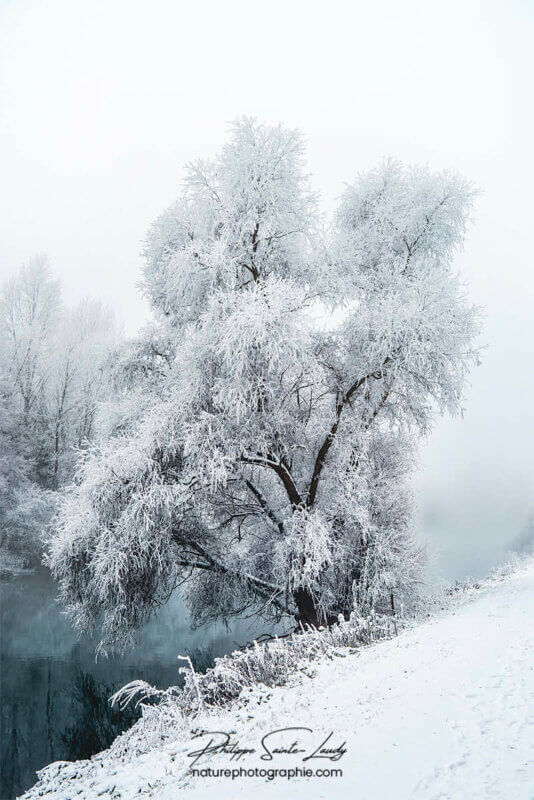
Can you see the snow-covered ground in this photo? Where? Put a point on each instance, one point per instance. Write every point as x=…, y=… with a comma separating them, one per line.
x=445, y=711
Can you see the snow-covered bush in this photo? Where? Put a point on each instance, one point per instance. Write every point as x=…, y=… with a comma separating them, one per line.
x=268, y=663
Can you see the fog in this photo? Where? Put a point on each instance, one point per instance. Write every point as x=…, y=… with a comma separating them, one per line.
x=102, y=103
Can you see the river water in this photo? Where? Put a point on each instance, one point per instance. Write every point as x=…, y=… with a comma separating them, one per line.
x=55, y=695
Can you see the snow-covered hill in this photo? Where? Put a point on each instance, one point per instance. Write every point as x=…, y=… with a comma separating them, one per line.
x=445, y=711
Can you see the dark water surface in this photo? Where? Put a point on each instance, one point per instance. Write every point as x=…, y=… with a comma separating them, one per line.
x=55, y=695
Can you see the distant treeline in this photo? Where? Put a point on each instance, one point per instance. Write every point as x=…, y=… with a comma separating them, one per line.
x=51, y=375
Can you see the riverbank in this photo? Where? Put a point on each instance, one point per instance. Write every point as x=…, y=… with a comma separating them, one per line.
x=438, y=710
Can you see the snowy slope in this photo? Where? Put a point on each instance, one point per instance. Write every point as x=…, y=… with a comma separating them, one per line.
x=442, y=712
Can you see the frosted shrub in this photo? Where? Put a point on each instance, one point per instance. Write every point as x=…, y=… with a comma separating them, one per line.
x=263, y=663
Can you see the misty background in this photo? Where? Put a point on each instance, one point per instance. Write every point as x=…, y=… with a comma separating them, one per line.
x=102, y=103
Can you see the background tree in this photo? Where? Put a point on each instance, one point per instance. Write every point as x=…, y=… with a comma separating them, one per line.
x=51, y=376
x=30, y=311
x=76, y=381
x=25, y=508
x=269, y=472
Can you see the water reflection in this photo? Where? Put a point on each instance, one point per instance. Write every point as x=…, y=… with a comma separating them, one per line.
x=96, y=723
x=55, y=695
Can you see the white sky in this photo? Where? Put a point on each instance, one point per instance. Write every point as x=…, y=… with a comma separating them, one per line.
x=103, y=102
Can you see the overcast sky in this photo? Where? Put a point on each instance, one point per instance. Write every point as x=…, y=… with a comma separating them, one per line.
x=102, y=103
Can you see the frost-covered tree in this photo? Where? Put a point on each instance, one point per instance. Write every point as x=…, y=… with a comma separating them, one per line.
x=24, y=506
x=30, y=305
x=29, y=308
x=51, y=377
x=265, y=466
x=76, y=380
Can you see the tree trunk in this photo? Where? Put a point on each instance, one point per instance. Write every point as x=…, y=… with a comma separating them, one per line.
x=56, y=454
x=308, y=614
